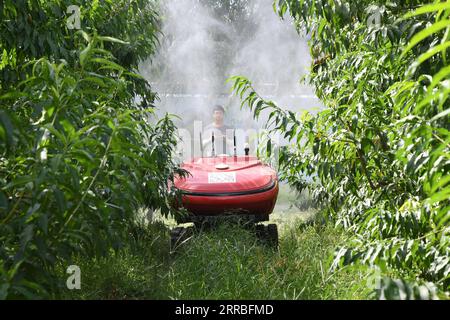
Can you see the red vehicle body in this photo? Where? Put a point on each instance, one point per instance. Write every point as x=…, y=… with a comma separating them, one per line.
x=228, y=185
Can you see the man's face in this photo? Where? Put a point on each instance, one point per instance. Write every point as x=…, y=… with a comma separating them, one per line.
x=218, y=116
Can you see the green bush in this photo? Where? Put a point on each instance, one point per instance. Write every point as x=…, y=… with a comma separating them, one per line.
x=378, y=156
x=78, y=155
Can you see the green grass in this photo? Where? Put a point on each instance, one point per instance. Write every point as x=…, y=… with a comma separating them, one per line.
x=134, y=272
x=230, y=264
x=227, y=263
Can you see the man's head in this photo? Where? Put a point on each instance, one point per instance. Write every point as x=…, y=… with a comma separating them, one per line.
x=218, y=114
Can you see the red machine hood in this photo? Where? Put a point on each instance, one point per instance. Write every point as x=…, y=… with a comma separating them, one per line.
x=221, y=175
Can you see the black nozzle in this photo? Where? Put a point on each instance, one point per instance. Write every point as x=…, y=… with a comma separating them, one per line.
x=213, y=148
x=247, y=150
x=234, y=143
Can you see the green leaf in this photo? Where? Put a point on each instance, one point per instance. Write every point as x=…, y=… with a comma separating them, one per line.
x=269, y=148
x=108, y=64
x=434, y=50
x=442, y=74
x=3, y=203
x=322, y=24
x=20, y=181
x=425, y=34
x=13, y=95
x=439, y=196
x=4, y=287
x=428, y=9
x=26, y=236
x=84, y=54
x=7, y=126
x=111, y=39
x=441, y=115
x=366, y=144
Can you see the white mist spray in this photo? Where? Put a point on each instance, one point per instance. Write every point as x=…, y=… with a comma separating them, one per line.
x=203, y=45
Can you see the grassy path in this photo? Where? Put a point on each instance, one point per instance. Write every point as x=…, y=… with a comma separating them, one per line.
x=225, y=264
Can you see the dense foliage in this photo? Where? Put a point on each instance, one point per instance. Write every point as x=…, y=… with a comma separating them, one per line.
x=80, y=151
x=378, y=157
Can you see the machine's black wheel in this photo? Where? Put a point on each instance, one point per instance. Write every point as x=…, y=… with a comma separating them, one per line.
x=267, y=234
x=179, y=235
x=198, y=225
x=174, y=236
x=260, y=231
x=272, y=235
x=204, y=225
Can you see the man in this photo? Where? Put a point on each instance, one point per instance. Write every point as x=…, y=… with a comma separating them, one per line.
x=223, y=134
